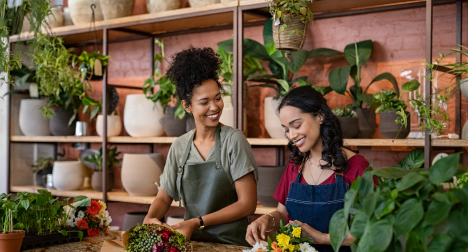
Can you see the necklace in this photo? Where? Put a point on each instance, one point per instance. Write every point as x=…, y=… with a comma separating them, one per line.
x=312, y=176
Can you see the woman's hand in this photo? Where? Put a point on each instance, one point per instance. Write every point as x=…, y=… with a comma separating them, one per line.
x=259, y=226
x=152, y=221
x=186, y=227
x=316, y=236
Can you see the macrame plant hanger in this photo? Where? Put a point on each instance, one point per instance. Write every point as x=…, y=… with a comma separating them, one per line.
x=96, y=70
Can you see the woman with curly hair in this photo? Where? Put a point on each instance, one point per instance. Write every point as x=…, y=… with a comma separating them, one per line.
x=211, y=169
x=319, y=173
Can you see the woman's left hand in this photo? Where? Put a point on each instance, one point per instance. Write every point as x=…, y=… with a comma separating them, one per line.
x=316, y=236
x=186, y=227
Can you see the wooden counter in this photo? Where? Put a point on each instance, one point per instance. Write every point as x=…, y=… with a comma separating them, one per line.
x=94, y=244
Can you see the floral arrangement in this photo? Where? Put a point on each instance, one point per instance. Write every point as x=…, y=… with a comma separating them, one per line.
x=94, y=218
x=287, y=239
x=155, y=238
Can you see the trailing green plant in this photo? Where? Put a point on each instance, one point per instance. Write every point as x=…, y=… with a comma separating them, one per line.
x=112, y=159
x=388, y=102
x=357, y=54
x=42, y=163
x=167, y=90
x=283, y=11
x=408, y=210
x=283, y=70
x=86, y=63
x=94, y=107
x=346, y=111
x=37, y=213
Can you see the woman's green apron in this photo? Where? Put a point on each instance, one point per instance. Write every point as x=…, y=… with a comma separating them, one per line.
x=206, y=188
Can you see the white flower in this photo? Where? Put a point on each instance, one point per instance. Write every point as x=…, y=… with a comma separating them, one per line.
x=258, y=246
x=81, y=215
x=305, y=247
x=71, y=222
x=105, y=214
x=108, y=220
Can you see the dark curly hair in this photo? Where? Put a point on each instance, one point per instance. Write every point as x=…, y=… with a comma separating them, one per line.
x=191, y=67
x=310, y=101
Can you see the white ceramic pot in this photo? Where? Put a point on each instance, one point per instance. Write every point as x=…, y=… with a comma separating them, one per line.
x=464, y=87
x=272, y=121
x=56, y=18
x=31, y=120
x=114, y=125
x=154, y=6
x=227, y=117
x=80, y=11
x=67, y=17
x=67, y=175
x=225, y=1
x=142, y=117
x=197, y=3
x=117, y=8
x=464, y=135
x=140, y=171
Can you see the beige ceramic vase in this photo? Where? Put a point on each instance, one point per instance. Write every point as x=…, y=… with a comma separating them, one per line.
x=154, y=6
x=31, y=120
x=140, y=172
x=143, y=117
x=114, y=125
x=117, y=8
x=272, y=121
x=198, y=3
x=80, y=11
x=67, y=175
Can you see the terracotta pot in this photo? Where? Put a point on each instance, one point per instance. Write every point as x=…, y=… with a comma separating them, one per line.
x=390, y=129
x=67, y=175
x=464, y=87
x=140, y=171
x=31, y=120
x=142, y=117
x=80, y=11
x=174, y=127
x=227, y=117
x=268, y=180
x=366, y=122
x=154, y=6
x=96, y=181
x=12, y=242
x=349, y=126
x=272, y=121
x=117, y=8
x=114, y=125
x=58, y=125
x=197, y=3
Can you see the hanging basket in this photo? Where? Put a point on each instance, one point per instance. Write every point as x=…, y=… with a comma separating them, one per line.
x=290, y=42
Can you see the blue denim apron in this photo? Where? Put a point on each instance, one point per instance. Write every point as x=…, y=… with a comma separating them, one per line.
x=316, y=204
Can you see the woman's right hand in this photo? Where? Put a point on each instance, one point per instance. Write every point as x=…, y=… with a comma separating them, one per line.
x=259, y=226
x=152, y=221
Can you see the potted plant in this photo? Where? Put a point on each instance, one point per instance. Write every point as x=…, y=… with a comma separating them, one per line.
x=174, y=122
x=41, y=167
x=357, y=54
x=112, y=161
x=407, y=211
x=92, y=65
x=291, y=19
x=114, y=122
x=10, y=239
x=348, y=121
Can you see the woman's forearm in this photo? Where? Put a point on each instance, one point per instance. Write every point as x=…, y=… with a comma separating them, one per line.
x=347, y=242
x=159, y=207
x=233, y=212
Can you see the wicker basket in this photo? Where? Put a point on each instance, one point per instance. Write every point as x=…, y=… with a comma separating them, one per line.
x=290, y=42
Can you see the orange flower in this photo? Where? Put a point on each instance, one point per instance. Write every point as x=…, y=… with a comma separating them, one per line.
x=82, y=224
x=275, y=247
x=94, y=208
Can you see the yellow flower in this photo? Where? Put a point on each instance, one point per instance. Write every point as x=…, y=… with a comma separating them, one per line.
x=292, y=248
x=283, y=240
x=102, y=210
x=297, y=232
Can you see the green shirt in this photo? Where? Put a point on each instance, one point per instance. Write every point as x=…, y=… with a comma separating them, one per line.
x=237, y=158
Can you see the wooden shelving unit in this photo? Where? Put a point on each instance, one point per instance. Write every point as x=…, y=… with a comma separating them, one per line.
x=56, y=139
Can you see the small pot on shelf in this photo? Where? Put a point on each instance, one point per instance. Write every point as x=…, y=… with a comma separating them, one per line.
x=96, y=181
x=31, y=120
x=67, y=175
x=198, y=3
x=81, y=13
x=59, y=124
x=41, y=179
x=173, y=126
x=142, y=117
x=390, y=129
x=11, y=242
x=154, y=6
x=349, y=126
x=140, y=171
x=117, y=8
x=366, y=123
x=114, y=125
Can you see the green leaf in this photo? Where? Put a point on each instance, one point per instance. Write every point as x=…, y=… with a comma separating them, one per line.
x=389, y=77
x=444, y=169
x=86, y=202
x=319, y=52
x=366, y=185
x=377, y=237
x=438, y=210
x=440, y=243
x=458, y=225
x=24, y=203
x=359, y=224
x=296, y=61
x=369, y=202
x=40, y=200
x=410, y=86
x=412, y=243
x=64, y=232
x=414, y=160
x=350, y=196
x=338, y=229
x=262, y=77
x=323, y=89
x=391, y=172
x=80, y=235
x=338, y=79
x=408, y=181
x=462, y=195
x=268, y=32
x=383, y=208
x=409, y=215
x=364, y=52
x=284, y=84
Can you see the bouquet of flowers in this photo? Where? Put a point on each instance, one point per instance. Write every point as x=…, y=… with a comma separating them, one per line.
x=94, y=218
x=287, y=239
x=155, y=238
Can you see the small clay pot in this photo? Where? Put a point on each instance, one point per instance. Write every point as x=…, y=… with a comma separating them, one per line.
x=11, y=242
x=349, y=126
x=174, y=127
x=390, y=129
x=366, y=122
x=58, y=125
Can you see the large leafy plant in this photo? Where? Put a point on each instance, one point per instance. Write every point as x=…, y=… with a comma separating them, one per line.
x=167, y=90
x=285, y=10
x=283, y=70
x=408, y=211
x=357, y=54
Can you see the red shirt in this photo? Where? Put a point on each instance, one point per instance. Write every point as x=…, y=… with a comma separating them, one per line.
x=356, y=166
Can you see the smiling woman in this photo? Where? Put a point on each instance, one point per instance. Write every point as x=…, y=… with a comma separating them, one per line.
x=211, y=169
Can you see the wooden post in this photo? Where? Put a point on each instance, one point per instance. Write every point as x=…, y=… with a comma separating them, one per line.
x=428, y=83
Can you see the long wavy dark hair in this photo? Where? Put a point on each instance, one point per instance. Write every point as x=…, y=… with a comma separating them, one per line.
x=310, y=101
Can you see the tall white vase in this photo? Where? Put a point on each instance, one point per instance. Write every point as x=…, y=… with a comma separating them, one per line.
x=140, y=171
x=67, y=175
x=464, y=87
x=31, y=120
x=227, y=117
x=154, y=6
x=80, y=11
x=197, y=3
x=142, y=117
x=272, y=121
x=114, y=125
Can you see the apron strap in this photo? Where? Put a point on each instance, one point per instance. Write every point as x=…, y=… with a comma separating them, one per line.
x=180, y=169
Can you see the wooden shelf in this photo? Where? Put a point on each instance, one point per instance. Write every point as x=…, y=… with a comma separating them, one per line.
x=56, y=139
x=136, y=140
x=118, y=196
